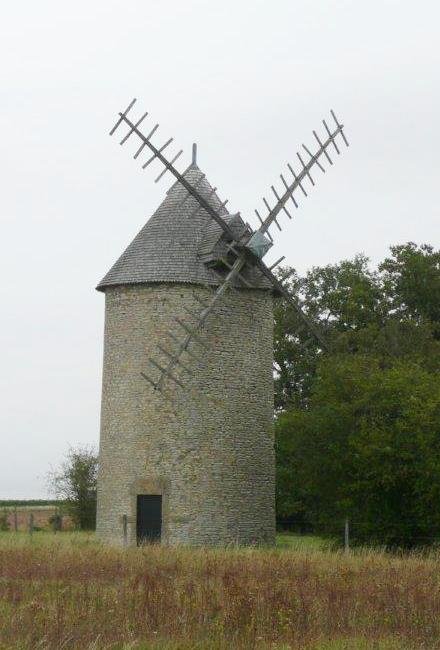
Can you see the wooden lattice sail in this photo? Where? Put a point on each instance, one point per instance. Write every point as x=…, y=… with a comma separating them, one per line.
x=245, y=248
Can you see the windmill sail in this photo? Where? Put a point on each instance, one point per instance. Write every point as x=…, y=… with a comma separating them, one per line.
x=168, y=164
x=305, y=172
x=245, y=248
x=192, y=333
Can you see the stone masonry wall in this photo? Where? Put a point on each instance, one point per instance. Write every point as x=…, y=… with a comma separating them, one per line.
x=209, y=449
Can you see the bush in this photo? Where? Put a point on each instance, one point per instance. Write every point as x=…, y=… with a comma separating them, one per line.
x=75, y=485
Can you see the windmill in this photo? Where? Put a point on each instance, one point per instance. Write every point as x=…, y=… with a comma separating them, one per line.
x=186, y=304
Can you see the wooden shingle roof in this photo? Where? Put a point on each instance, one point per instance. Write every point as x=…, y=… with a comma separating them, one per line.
x=166, y=248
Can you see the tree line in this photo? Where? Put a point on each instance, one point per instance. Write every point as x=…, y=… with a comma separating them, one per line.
x=358, y=427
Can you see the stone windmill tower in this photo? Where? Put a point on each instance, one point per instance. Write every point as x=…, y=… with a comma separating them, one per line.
x=186, y=447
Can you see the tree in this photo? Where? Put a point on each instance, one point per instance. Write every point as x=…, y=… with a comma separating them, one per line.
x=367, y=447
x=411, y=278
x=75, y=485
x=345, y=296
x=358, y=428
x=295, y=357
x=339, y=298
x=394, y=311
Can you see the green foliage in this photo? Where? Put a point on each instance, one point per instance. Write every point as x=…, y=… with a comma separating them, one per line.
x=345, y=296
x=412, y=281
x=368, y=447
x=340, y=298
x=75, y=485
x=358, y=430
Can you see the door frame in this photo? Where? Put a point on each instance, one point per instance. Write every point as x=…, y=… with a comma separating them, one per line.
x=154, y=486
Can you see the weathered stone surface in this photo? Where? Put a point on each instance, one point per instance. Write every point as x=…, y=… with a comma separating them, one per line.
x=208, y=450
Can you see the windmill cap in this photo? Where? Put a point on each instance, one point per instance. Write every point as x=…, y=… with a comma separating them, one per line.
x=167, y=248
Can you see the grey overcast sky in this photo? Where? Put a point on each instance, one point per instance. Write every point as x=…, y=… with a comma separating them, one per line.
x=248, y=81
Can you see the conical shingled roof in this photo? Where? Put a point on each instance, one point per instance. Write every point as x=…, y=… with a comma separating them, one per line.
x=166, y=248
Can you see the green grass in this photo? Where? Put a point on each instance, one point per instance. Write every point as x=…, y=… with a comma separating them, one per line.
x=285, y=541
x=45, y=538
x=305, y=542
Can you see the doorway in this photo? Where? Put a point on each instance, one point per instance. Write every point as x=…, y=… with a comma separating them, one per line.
x=149, y=518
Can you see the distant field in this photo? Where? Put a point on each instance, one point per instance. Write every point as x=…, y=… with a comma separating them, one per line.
x=8, y=503
x=18, y=512
x=65, y=590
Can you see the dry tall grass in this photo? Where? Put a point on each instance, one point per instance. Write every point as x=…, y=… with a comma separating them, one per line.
x=69, y=592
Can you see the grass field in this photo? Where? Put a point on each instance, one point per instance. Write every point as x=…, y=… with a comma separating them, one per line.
x=67, y=591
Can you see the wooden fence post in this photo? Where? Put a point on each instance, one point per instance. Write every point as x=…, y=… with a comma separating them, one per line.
x=15, y=519
x=125, y=529
x=347, y=536
x=31, y=524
